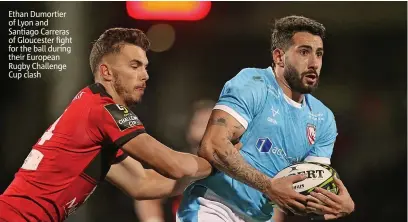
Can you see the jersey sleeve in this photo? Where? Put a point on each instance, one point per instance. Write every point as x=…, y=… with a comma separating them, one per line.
x=243, y=96
x=323, y=148
x=120, y=156
x=115, y=123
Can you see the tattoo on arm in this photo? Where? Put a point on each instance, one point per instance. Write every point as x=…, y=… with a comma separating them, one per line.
x=234, y=165
x=219, y=121
x=223, y=122
x=229, y=160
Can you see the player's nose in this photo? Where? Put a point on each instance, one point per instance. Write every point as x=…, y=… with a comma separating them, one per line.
x=145, y=75
x=314, y=63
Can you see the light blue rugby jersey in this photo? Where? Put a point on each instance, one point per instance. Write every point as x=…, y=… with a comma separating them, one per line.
x=279, y=132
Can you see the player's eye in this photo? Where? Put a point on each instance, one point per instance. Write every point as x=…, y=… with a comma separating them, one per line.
x=304, y=52
x=319, y=54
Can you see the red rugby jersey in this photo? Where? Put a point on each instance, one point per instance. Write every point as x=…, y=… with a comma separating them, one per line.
x=72, y=157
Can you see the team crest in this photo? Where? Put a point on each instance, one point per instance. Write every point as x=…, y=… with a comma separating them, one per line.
x=311, y=133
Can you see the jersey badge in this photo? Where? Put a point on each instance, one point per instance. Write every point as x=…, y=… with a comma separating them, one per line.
x=123, y=117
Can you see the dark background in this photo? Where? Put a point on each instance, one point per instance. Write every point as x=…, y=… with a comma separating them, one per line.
x=363, y=82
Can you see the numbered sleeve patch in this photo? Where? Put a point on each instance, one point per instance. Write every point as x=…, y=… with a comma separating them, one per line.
x=123, y=117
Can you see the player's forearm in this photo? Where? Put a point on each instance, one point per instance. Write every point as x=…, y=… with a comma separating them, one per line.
x=170, y=163
x=158, y=186
x=221, y=153
x=152, y=186
x=167, y=163
x=200, y=167
x=184, y=165
x=142, y=184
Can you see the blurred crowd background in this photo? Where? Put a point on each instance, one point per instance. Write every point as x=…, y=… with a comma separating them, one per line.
x=363, y=81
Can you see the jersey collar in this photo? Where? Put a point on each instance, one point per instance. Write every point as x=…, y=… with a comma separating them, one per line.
x=99, y=88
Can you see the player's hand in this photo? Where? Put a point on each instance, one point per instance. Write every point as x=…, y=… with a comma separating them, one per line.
x=330, y=205
x=281, y=192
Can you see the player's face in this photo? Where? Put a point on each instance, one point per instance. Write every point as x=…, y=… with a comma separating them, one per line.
x=197, y=127
x=130, y=73
x=303, y=62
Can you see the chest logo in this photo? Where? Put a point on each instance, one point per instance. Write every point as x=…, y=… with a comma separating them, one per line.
x=311, y=133
x=272, y=119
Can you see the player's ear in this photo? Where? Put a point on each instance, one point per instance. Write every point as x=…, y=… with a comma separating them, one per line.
x=278, y=55
x=104, y=72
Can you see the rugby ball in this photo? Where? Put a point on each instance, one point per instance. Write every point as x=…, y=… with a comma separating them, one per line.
x=318, y=175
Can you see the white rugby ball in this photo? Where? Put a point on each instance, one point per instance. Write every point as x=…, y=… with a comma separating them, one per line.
x=318, y=175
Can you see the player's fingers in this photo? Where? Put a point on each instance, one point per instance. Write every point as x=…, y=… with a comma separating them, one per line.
x=313, y=199
x=340, y=185
x=322, y=208
x=297, y=205
x=296, y=178
x=326, y=200
x=328, y=194
x=299, y=197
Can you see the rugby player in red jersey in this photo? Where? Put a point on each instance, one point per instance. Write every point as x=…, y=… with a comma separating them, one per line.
x=85, y=144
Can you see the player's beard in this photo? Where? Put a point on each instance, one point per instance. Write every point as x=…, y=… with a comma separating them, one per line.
x=295, y=80
x=127, y=96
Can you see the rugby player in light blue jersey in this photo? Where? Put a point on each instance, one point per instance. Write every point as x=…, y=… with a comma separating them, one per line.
x=279, y=123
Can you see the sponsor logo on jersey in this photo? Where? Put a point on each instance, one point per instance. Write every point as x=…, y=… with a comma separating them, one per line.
x=272, y=119
x=123, y=117
x=311, y=133
x=265, y=145
x=274, y=112
x=316, y=116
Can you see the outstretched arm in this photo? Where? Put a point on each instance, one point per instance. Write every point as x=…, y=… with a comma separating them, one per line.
x=139, y=183
x=145, y=184
x=169, y=163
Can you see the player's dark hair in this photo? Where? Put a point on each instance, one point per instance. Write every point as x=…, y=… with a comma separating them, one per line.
x=284, y=28
x=112, y=40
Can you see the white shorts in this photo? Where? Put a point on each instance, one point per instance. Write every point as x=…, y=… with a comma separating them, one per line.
x=212, y=211
x=211, y=208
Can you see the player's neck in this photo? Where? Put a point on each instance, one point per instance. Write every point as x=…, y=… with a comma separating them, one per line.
x=295, y=96
x=112, y=92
